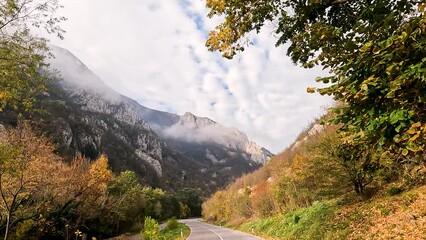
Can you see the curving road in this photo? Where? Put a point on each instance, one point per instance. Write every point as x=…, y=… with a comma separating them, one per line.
x=204, y=231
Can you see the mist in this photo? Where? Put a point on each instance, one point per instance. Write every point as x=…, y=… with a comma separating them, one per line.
x=214, y=133
x=74, y=74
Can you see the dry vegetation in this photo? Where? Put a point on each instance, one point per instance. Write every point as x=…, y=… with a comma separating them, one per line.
x=387, y=217
x=308, y=192
x=43, y=197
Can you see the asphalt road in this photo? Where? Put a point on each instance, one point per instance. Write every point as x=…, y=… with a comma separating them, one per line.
x=204, y=231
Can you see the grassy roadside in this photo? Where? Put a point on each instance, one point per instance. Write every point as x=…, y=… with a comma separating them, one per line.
x=164, y=234
x=401, y=216
x=175, y=233
x=306, y=223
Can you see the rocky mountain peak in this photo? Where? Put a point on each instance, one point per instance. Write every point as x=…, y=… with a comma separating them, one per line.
x=91, y=118
x=191, y=129
x=102, y=113
x=76, y=75
x=190, y=119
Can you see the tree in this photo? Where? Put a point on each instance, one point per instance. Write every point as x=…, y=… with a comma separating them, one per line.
x=358, y=162
x=383, y=88
x=262, y=200
x=219, y=207
x=192, y=199
x=328, y=26
x=12, y=181
x=184, y=210
x=42, y=197
x=242, y=206
x=323, y=168
x=24, y=73
x=100, y=176
x=374, y=51
x=24, y=161
x=153, y=199
x=124, y=198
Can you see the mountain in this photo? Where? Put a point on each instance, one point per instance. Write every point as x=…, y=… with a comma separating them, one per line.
x=85, y=116
x=190, y=130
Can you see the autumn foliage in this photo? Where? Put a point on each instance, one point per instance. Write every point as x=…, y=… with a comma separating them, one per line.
x=303, y=191
x=43, y=197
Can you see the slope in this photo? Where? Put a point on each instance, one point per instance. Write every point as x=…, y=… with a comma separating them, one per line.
x=85, y=116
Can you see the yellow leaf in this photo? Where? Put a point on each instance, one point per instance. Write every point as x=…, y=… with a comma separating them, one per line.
x=311, y=89
x=422, y=7
x=411, y=131
x=413, y=138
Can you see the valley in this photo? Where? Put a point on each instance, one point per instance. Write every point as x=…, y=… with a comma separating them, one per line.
x=152, y=119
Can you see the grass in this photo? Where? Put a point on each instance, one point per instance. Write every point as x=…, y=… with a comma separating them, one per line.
x=175, y=233
x=305, y=223
x=385, y=216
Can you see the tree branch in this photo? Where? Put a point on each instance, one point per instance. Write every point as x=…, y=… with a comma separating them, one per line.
x=14, y=16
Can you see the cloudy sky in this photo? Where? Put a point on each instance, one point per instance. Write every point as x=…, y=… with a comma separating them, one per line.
x=153, y=51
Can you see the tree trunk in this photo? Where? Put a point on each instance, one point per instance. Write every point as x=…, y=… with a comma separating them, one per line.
x=359, y=188
x=6, y=232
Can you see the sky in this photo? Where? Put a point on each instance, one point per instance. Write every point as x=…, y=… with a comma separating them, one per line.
x=154, y=52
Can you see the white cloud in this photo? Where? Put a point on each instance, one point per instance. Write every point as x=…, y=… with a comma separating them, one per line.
x=153, y=51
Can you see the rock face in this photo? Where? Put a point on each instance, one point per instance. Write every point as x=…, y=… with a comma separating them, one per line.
x=164, y=149
x=190, y=129
x=314, y=130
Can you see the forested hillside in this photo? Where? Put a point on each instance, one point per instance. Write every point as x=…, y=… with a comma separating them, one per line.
x=360, y=174
x=309, y=192
x=43, y=197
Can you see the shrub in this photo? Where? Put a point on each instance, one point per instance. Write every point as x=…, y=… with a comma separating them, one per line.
x=296, y=219
x=172, y=223
x=394, y=191
x=27, y=229
x=151, y=229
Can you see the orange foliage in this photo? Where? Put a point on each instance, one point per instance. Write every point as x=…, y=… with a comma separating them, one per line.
x=30, y=171
x=262, y=200
x=291, y=180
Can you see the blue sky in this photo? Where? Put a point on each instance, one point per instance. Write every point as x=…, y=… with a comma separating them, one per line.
x=153, y=51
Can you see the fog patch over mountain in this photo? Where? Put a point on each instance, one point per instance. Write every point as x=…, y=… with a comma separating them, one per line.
x=75, y=74
x=193, y=129
x=190, y=132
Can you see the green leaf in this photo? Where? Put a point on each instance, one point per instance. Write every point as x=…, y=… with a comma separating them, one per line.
x=390, y=94
x=413, y=148
x=405, y=152
x=366, y=47
x=390, y=69
x=382, y=141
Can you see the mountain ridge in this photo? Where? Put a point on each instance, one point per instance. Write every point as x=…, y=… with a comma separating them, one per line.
x=97, y=114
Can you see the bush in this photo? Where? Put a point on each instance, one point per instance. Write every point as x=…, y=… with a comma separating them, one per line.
x=394, y=191
x=172, y=223
x=27, y=230
x=175, y=234
x=151, y=229
x=296, y=219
